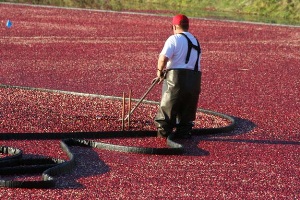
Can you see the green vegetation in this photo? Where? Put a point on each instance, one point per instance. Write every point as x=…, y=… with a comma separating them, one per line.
x=274, y=11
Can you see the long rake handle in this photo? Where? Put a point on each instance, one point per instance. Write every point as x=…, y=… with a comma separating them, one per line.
x=143, y=97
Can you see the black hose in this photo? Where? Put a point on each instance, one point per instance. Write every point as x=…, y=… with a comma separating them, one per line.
x=13, y=163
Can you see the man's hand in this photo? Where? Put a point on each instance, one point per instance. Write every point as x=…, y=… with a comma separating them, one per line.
x=160, y=75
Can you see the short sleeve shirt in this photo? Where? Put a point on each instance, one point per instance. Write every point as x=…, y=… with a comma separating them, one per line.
x=176, y=48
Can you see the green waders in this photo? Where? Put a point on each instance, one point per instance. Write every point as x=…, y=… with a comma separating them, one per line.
x=178, y=105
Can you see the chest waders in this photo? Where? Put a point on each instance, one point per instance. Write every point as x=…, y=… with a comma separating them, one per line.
x=180, y=95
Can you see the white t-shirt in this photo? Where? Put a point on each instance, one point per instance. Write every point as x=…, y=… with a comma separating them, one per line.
x=176, y=48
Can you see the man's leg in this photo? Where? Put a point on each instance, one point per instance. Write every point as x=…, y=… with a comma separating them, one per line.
x=165, y=119
x=187, y=112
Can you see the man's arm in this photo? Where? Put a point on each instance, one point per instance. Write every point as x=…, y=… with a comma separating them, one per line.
x=161, y=65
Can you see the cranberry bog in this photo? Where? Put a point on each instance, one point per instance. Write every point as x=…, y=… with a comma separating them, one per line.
x=64, y=71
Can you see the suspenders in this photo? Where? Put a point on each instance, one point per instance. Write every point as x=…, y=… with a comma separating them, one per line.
x=190, y=46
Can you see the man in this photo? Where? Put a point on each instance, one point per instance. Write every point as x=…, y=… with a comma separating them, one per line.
x=180, y=59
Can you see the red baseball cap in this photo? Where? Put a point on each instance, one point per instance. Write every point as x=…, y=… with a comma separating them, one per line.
x=180, y=19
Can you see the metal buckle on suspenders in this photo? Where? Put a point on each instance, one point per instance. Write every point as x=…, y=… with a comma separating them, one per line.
x=190, y=46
